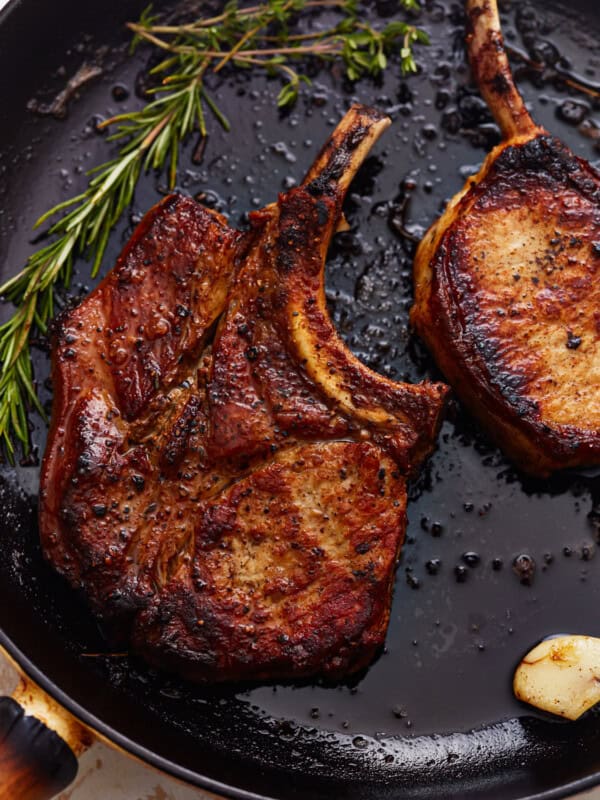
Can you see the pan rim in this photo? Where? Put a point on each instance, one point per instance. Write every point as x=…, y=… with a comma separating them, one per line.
x=119, y=741
x=116, y=739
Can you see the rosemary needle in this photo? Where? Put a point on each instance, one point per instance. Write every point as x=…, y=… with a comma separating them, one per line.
x=258, y=37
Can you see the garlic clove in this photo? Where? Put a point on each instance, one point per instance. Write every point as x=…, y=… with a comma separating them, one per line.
x=561, y=675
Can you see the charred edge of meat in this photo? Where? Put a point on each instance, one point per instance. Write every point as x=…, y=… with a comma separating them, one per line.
x=492, y=390
x=342, y=155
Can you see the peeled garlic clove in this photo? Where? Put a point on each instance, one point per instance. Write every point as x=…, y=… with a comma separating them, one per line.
x=561, y=675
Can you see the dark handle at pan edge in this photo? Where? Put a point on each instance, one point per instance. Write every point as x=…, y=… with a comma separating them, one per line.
x=35, y=762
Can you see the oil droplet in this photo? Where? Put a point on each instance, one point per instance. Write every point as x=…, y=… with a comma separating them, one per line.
x=283, y=150
x=587, y=551
x=572, y=112
x=460, y=573
x=412, y=580
x=433, y=566
x=120, y=92
x=524, y=568
x=471, y=558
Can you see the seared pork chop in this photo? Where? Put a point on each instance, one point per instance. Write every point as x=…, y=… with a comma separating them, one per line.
x=507, y=281
x=223, y=479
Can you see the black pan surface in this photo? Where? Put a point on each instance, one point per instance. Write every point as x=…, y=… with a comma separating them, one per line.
x=434, y=717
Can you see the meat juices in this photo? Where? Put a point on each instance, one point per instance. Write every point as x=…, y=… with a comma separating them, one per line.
x=223, y=480
x=507, y=281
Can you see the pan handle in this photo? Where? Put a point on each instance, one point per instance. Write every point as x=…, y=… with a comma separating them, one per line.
x=39, y=745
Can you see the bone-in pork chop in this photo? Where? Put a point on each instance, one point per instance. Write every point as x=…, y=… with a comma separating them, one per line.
x=223, y=479
x=507, y=281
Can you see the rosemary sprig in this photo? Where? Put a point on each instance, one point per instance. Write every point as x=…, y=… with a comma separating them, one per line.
x=151, y=137
x=259, y=37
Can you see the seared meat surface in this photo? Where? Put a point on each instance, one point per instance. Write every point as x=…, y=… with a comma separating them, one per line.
x=507, y=281
x=223, y=479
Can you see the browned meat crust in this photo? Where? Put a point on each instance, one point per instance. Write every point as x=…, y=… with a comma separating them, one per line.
x=507, y=283
x=234, y=497
x=293, y=570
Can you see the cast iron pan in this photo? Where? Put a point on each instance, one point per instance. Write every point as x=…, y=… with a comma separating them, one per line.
x=434, y=717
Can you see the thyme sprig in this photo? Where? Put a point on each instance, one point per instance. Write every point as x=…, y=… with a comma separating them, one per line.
x=259, y=37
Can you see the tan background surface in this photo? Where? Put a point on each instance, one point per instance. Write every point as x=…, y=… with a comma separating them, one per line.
x=105, y=774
